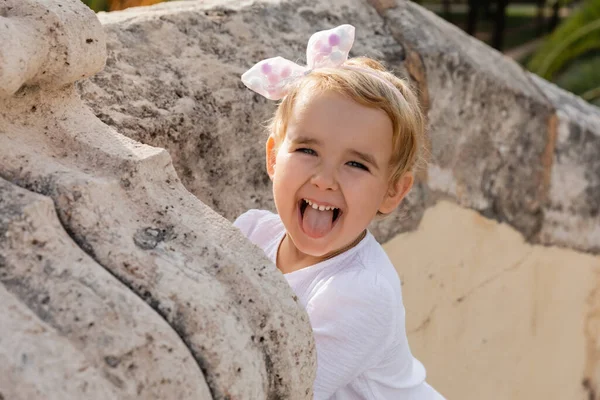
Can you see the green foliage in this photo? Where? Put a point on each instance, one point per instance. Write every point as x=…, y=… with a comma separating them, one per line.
x=580, y=75
x=115, y=5
x=577, y=36
x=97, y=5
x=596, y=99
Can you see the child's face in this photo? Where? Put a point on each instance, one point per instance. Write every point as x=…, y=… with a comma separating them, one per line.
x=336, y=153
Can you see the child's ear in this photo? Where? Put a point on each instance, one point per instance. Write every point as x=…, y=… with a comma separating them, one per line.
x=397, y=192
x=270, y=156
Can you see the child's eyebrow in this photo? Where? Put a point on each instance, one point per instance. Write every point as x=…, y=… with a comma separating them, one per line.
x=365, y=157
x=305, y=140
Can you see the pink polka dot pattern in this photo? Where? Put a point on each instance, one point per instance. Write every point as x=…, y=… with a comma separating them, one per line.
x=266, y=68
x=323, y=44
x=272, y=77
x=334, y=39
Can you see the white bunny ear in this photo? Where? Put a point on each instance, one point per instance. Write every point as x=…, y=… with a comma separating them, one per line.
x=272, y=77
x=330, y=48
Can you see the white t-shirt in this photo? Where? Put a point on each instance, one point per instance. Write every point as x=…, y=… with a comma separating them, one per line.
x=354, y=303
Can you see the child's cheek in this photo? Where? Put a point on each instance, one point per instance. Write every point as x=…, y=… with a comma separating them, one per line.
x=283, y=155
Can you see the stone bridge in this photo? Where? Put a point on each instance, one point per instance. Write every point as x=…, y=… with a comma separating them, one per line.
x=122, y=277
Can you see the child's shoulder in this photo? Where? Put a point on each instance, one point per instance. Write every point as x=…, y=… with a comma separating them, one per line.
x=252, y=217
x=257, y=225
x=358, y=299
x=376, y=264
x=362, y=282
x=368, y=275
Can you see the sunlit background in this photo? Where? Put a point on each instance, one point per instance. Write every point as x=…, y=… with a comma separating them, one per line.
x=115, y=5
x=556, y=39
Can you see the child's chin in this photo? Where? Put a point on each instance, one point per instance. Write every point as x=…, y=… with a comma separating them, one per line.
x=313, y=249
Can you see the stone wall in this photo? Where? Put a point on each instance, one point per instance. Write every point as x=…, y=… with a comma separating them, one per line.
x=112, y=270
x=115, y=281
x=507, y=145
x=499, y=138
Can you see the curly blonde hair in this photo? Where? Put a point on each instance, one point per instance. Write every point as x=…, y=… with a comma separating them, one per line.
x=368, y=85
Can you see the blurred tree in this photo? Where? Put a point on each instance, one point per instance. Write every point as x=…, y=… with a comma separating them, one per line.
x=570, y=56
x=475, y=7
x=447, y=10
x=541, y=5
x=578, y=35
x=97, y=5
x=487, y=8
x=114, y=5
x=554, y=20
x=499, y=24
x=472, y=16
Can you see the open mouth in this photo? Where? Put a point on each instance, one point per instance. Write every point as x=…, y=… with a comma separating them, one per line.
x=317, y=220
x=303, y=204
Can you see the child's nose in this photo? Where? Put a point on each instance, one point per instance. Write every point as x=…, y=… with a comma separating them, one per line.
x=325, y=179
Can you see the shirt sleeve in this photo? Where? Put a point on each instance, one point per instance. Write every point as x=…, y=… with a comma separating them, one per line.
x=353, y=318
x=247, y=222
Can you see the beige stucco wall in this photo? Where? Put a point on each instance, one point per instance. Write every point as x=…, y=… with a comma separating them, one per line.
x=493, y=317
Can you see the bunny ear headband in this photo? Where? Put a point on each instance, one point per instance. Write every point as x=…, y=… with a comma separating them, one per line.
x=272, y=77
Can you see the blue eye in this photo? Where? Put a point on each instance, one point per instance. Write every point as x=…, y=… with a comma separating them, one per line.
x=307, y=151
x=355, y=164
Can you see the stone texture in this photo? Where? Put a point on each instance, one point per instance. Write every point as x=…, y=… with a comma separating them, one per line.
x=60, y=308
x=48, y=43
x=172, y=80
x=111, y=219
x=488, y=122
x=492, y=317
x=572, y=214
x=122, y=203
x=28, y=366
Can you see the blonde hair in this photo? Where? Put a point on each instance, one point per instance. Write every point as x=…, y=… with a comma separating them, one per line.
x=363, y=87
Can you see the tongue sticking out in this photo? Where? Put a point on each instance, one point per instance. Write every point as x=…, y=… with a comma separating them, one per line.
x=317, y=223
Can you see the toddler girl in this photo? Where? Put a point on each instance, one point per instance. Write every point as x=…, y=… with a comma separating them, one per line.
x=342, y=147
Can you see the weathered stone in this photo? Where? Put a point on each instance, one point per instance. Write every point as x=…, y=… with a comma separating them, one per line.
x=124, y=205
x=228, y=303
x=172, y=80
x=489, y=123
x=36, y=362
x=48, y=43
x=69, y=328
x=572, y=214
